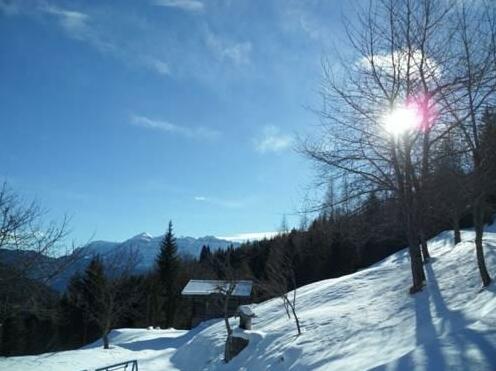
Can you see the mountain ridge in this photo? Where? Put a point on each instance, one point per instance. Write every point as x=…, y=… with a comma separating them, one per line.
x=139, y=251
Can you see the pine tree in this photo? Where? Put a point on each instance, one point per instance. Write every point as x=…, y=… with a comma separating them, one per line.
x=96, y=301
x=168, y=264
x=94, y=279
x=74, y=320
x=205, y=255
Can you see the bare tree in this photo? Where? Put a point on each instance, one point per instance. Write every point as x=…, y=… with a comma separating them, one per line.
x=473, y=64
x=226, y=290
x=281, y=281
x=23, y=230
x=31, y=247
x=382, y=114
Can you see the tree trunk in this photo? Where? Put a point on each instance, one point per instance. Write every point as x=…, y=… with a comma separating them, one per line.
x=1, y=339
x=418, y=274
x=85, y=330
x=456, y=229
x=227, y=348
x=414, y=249
x=171, y=308
x=148, y=311
x=297, y=321
x=286, y=306
x=423, y=245
x=417, y=269
x=105, y=340
x=479, y=248
x=410, y=212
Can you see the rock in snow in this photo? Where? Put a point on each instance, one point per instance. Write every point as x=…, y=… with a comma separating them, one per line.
x=366, y=320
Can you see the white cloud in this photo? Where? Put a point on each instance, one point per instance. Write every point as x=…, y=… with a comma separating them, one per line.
x=273, y=140
x=165, y=126
x=226, y=50
x=77, y=25
x=187, y=5
x=402, y=61
x=299, y=17
x=310, y=27
x=73, y=22
x=154, y=124
x=85, y=28
x=159, y=66
x=253, y=236
x=230, y=204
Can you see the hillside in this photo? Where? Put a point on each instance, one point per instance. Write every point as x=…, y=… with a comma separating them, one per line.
x=366, y=320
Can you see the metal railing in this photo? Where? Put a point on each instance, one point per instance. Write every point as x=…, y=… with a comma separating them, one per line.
x=123, y=366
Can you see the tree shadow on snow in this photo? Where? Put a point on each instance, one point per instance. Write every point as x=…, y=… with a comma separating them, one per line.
x=433, y=354
x=456, y=326
x=161, y=343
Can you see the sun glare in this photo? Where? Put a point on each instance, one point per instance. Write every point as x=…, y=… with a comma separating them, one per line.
x=401, y=120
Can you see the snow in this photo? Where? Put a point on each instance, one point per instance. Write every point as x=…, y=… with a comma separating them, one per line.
x=144, y=236
x=208, y=287
x=246, y=311
x=253, y=236
x=366, y=320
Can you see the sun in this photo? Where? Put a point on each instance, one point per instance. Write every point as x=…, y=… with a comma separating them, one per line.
x=401, y=120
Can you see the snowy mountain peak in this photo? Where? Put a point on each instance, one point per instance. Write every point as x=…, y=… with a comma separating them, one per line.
x=141, y=237
x=144, y=248
x=208, y=238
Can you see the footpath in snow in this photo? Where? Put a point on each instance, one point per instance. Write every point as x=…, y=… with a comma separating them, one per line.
x=366, y=320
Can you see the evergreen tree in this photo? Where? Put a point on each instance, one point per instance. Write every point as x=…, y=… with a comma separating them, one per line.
x=205, y=255
x=449, y=186
x=95, y=297
x=75, y=324
x=168, y=264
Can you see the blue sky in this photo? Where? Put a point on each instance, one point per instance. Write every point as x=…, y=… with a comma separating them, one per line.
x=127, y=114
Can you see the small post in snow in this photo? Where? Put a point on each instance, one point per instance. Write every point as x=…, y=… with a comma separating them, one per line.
x=245, y=315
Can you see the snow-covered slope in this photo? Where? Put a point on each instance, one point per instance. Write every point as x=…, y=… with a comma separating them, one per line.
x=363, y=321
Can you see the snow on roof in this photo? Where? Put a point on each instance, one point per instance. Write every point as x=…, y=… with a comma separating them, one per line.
x=245, y=310
x=208, y=287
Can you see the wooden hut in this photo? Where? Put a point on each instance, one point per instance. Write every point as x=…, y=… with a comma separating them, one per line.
x=207, y=298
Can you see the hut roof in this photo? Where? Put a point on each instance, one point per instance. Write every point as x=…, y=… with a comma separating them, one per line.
x=209, y=287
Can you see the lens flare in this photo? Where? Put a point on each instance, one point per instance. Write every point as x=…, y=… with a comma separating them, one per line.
x=402, y=119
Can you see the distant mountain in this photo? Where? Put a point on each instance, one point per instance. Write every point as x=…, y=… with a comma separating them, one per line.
x=142, y=249
x=147, y=247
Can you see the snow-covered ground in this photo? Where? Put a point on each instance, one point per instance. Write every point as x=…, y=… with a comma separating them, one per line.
x=366, y=320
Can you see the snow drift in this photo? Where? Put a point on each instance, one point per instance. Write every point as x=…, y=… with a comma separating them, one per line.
x=366, y=320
